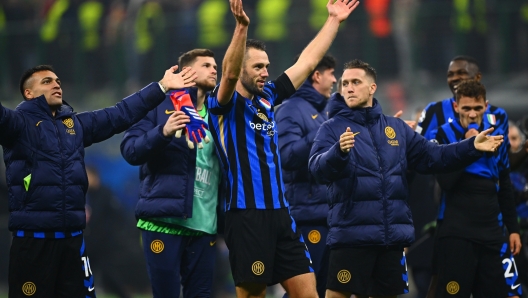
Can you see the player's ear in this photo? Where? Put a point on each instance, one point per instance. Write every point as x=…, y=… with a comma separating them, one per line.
x=455, y=106
x=372, y=89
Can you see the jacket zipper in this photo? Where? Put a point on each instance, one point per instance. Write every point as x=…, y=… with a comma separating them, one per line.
x=62, y=175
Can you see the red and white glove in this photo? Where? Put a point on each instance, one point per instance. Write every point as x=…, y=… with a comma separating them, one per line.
x=195, y=129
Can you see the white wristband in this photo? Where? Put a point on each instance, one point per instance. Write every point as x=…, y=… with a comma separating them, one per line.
x=162, y=87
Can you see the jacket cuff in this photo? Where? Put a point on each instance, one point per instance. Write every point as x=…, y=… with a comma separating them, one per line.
x=473, y=152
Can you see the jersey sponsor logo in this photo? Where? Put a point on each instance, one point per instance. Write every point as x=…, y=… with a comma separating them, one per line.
x=452, y=287
x=314, y=236
x=344, y=276
x=491, y=119
x=314, y=116
x=68, y=122
x=29, y=288
x=269, y=128
x=257, y=268
x=169, y=112
x=157, y=246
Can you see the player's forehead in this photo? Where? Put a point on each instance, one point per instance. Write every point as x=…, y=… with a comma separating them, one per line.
x=201, y=60
x=467, y=101
x=457, y=65
x=351, y=74
x=256, y=56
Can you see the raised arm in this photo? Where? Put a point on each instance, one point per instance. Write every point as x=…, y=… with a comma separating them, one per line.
x=10, y=125
x=102, y=124
x=234, y=56
x=314, y=52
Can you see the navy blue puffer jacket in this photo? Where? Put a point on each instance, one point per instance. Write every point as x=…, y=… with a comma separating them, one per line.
x=298, y=120
x=168, y=166
x=367, y=188
x=51, y=150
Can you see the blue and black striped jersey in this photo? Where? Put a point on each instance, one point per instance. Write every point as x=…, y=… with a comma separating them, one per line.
x=245, y=135
x=438, y=113
x=490, y=165
x=477, y=202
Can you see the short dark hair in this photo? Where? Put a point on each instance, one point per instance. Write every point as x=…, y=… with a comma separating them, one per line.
x=28, y=73
x=327, y=62
x=356, y=63
x=471, y=88
x=469, y=60
x=189, y=57
x=255, y=44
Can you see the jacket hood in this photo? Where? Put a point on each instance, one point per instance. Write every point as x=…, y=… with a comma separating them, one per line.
x=39, y=106
x=337, y=106
x=308, y=93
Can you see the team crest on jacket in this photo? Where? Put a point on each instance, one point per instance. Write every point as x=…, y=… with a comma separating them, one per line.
x=68, y=122
x=391, y=134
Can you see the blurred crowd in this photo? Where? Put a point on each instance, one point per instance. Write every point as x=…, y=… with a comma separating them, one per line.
x=122, y=44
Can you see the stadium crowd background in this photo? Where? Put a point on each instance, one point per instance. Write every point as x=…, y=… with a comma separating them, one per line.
x=104, y=50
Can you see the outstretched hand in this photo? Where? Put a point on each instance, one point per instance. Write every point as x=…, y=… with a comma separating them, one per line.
x=183, y=79
x=486, y=143
x=238, y=12
x=341, y=9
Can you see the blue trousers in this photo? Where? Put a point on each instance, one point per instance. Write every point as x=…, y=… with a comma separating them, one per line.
x=180, y=261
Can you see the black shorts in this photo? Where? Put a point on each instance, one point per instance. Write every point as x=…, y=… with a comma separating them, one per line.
x=265, y=246
x=484, y=270
x=369, y=271
x=50, y=268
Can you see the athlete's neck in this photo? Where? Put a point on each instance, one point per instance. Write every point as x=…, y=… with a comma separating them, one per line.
x=200, y=99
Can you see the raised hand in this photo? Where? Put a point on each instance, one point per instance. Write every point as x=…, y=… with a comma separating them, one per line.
x=195, y=128
x=183, y=79
x=238, y=12
x=341, y=9
x=346, y=141
x=486, y=143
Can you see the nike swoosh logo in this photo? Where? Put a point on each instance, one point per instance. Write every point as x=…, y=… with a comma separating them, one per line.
x=169, y=112
x=356, y=133
x=212, y=243
x=90, y=289
x=314, y=116
x=513, y=288
x=38, y=123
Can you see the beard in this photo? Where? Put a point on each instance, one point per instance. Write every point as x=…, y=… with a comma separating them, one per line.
x=205, y=85
x=250, y=85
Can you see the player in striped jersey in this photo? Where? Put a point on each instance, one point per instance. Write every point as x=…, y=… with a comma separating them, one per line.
x=461, y=68
x=265, y=246
x=472, y=245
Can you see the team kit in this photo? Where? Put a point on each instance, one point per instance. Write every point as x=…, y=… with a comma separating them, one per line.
x=308, y=186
